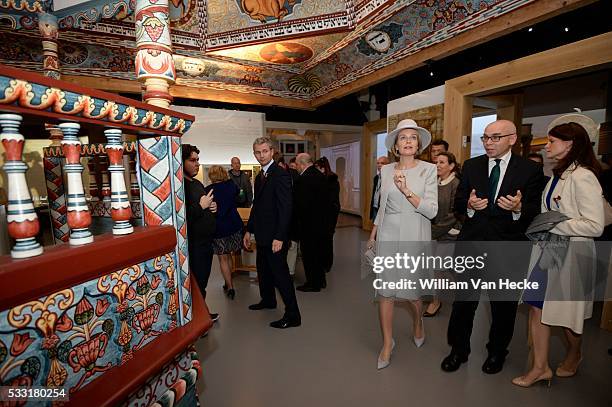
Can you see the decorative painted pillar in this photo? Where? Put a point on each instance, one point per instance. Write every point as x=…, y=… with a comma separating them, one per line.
x=121, y=211
x=23, y=224
x=79, y=217
x=54, y=179
x=163, y=196
x=47, y=25
x=134, y=188
x=154, y=62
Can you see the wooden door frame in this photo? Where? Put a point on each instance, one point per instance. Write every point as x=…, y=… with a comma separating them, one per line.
x=570, y=59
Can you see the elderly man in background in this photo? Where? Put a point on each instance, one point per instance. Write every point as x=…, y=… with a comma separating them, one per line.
x=244, y=199
x=311, y=211
x=380, y=161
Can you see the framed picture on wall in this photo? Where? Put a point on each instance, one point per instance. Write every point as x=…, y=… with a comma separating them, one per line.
x=291, y=148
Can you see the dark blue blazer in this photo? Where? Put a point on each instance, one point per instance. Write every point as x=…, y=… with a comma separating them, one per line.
x=228, y=219
x=271, y=211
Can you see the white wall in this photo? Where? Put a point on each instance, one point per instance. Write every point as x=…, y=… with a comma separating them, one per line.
x=222, y=134
x=344, y=160
x=429, y=97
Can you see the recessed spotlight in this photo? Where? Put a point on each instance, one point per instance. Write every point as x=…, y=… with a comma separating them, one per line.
x=431, y=73
x=566, y=29
x=530, y=29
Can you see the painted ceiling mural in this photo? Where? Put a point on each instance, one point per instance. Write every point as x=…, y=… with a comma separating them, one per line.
x=300, y=49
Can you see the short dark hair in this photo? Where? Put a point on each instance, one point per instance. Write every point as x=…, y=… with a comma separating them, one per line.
x=187, y=150
x=440, y=142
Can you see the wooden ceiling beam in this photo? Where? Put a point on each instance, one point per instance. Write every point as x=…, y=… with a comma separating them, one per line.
x=228, y=96
x=189, y=92
x=106, y=84
x=516, y=20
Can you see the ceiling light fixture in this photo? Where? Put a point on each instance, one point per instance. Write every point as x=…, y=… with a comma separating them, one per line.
x=530, y=29
x=566, y=29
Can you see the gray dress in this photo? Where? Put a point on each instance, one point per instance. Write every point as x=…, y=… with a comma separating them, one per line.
x=402, y=228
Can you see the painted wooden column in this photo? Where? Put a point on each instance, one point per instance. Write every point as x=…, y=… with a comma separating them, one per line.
x=163, y=196
x=47, y=25
x=154, y=62
x=23, y=224
x=121, y=211
x=79, y=217
x=56, y=192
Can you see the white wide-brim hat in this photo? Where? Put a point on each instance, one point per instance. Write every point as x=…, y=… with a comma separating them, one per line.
x=586, y=122
x=424, y=135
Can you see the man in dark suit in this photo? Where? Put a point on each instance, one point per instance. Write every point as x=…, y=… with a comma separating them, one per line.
x=311, y=212
x=270, y=221
x=500, y=193
x=375, y=201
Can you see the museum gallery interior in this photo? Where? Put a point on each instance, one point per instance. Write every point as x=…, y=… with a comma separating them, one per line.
x=127, y=124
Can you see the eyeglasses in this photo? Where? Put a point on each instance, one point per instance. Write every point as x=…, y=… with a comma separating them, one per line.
x=495, y=138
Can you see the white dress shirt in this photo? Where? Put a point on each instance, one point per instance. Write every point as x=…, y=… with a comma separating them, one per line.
x=503, y=166
x=265, y=167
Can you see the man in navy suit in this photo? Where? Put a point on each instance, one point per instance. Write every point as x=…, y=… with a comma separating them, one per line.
x=270, y=222
x=500, y=194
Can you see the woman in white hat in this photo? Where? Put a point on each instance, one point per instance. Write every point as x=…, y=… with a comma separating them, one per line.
x=575, y=192
x=408, y=200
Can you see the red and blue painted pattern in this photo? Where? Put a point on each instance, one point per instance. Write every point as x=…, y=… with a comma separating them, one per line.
x=162, y=198
x=68, y=338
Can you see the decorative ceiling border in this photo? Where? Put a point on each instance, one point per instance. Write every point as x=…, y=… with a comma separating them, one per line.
x=318, y=25
x=477, y=19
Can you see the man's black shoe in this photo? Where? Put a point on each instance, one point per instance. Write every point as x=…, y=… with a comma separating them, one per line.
x=285, y=323
x=308, y=289
x=493, y=364
x=452, y=362
x=214, y=317
x=261, y=305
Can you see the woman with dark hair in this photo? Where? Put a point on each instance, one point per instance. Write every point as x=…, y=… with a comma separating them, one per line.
x=200, y=220
x=322, y=164
x=576, y=195
x=445, y=226
x=228, y=233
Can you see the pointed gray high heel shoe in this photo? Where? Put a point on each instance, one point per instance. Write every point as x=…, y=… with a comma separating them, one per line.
x=384, y=363
x=420, y=341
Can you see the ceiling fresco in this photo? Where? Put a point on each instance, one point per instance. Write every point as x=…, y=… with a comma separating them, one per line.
x=296, y=49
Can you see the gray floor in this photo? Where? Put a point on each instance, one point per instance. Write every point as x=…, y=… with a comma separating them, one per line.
x=331, y=359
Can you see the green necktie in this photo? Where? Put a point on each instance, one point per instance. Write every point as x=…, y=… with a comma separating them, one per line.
x=493, y=180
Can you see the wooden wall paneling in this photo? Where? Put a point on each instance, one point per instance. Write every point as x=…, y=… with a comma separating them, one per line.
x=457, y=122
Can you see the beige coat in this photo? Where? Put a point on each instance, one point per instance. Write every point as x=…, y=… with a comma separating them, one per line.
x=578, y=195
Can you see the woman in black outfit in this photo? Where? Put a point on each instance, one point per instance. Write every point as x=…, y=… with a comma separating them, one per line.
x=200, y=220
x=322, y=164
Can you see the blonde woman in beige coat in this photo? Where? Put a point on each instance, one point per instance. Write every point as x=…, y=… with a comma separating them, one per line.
x=575, y=192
